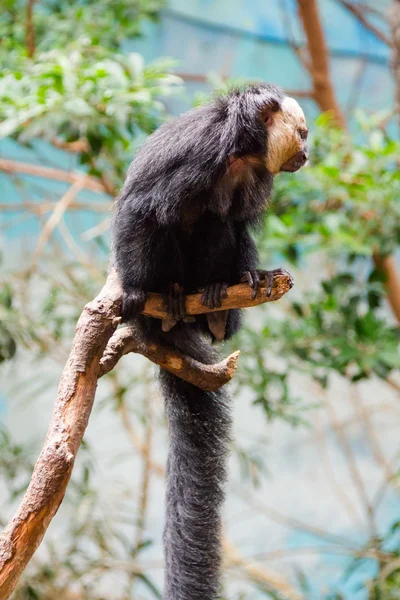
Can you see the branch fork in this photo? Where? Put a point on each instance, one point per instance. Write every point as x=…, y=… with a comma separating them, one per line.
x=97, y=347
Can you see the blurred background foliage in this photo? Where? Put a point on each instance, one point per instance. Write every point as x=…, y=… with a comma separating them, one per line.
x=73, y=98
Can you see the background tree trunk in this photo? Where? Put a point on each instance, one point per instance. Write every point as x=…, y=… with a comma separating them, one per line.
x=318, y=64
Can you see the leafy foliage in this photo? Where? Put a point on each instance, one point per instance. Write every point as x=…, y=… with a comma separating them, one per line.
x=86, y=95
x=332, y=217
x=56, y=22
x=80, y=92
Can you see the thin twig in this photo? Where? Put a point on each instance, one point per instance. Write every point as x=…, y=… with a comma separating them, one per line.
x=359, y=12
x=330, y=474
x=44, y=207
x=56, y=216
x=353, y=468
x=259, y=573
x=147, y=461
x=12, y=166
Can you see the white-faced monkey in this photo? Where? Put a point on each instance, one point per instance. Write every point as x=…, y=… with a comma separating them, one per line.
x=182, y=221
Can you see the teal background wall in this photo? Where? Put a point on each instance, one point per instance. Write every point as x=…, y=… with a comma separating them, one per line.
x=253, y=39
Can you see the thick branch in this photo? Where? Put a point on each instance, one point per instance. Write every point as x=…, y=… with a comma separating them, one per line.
x=96, y=349
x=238, y=296
x=70, y=417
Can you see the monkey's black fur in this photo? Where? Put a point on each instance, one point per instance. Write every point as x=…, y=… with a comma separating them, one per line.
x=199, y=424
x=180, y=218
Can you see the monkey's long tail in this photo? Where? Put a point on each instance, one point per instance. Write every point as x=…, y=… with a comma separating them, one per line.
x=199, y=426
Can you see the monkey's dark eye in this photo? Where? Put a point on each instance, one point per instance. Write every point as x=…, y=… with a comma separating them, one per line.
x=267, y=118
x=268, y=111
x=303, y=133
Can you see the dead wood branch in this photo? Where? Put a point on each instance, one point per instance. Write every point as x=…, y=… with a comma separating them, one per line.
x=96, y=349
x=71, y=413
x=238, y=296
x=207, y=377
x=12, y=166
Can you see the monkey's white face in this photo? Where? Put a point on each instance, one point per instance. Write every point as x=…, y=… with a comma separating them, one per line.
x=287, y=138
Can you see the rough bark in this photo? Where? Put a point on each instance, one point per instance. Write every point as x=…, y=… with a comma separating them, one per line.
x=207, y=377
x=238, y=296
x=96, y=349
x=71, y=413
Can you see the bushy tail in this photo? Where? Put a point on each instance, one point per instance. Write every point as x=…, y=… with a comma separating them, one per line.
x=199, y=426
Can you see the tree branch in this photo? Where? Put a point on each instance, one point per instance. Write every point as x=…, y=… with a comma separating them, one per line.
x=71, y=413
x=319, y=60
x=30, y=31
x=88, y=182
x=238, y=296
x=387, y=265
x=359, y=12
x=56, y=216
x=207, y=377
x=325, y=97
x=96, y=349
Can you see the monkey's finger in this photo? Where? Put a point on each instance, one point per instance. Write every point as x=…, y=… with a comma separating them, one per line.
x=210, y=296
x=174, y=306
x=204, y=297
x=207, y=297
x=224, y=292
x=250, y=279
x=269, y=276
x=177, y=301
x=256, y=284
x=174, y=300
x=168, y=300
x=217, y=295
x=182, y=309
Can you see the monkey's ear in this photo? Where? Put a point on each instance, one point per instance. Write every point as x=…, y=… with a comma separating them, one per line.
x=268, y=110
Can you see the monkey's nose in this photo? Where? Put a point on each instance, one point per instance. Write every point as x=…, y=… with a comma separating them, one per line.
x=295, y=162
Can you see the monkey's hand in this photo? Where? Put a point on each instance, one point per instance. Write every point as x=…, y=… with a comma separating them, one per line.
x=174, y=302
x=133, y=302
x=213, y=294
x=254, y=279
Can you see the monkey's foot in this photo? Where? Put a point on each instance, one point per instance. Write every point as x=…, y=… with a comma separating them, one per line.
x=254, y=279
x=174, y=302
x=213, y=294
x=133, y=303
